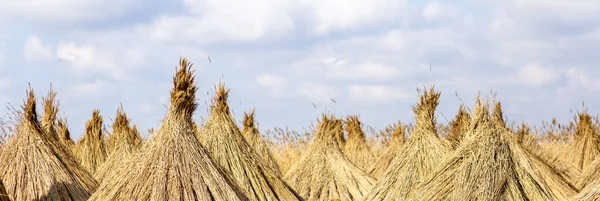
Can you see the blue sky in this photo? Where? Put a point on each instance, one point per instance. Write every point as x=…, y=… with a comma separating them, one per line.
x=280, y=56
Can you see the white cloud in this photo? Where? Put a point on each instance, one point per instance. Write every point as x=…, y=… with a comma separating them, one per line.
x=90, y=59
x=535, y=75
x=226, y=20
x=334, y=15
x=274, y=83
x=88, y=89
x=372, y=94
x=317, y=92
x=435, y=10
x=36, y=50
x=208, y=21
x=579, y=78
x=5, y=82
x=344, y=69
x=65, y=11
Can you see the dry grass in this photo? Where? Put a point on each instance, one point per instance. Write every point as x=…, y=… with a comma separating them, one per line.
x=459, y=126
x=34, y=167
x=356, y=148
x=227, y=146
x=172, y=164
x=418, y=156
x=324, y=172
x=91, y=149
x=491, y=165
x=287, y=145
x=252, y=136
x=124, y=141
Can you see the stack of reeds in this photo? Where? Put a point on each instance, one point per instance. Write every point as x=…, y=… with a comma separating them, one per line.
x=356, y=148
x=49, y=118
x=64, y=135
x=418, y=157
x=459, y=126
x=383, y=162
x=252, y=136
x=34, y=167
x=324, y=172
x=227, y=146
x=491, y=165
x=91, y=149
x=586, y=142
x=124, y=141
x=172, y=164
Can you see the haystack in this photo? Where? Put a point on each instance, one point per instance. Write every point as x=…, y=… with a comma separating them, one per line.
x=224, y=141
x=124, y=141
x=394, y=147
x=91, y=149
x=459, y=126
x=586, y=142
x=64, y=135
x=356, y=148
x=324, y=172
x=172, y=164
x=34, y=168
x=418, y=157
x=252, y=136
x=491, y=165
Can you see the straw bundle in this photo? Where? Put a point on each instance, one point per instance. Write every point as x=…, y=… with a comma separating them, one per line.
x=64, y=135
x=586, y=142
x=229, y=149
x=384, y=161
x=339, y=130
x=491, y=165
x=252, y=136
x=419, y=155
x=124, y=141
x=91, y=149
x=172, y=164
x=36, y=168
x=459, y=126
x=123, y=132
x=3, y=194
x=324, y=172
x=356, y=148
x=50, y=115
x=591, y=192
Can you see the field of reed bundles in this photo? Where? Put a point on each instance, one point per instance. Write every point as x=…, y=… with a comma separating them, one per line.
x=481, y=154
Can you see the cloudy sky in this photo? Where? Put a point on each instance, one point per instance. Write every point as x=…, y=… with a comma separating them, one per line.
x=281, y=56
